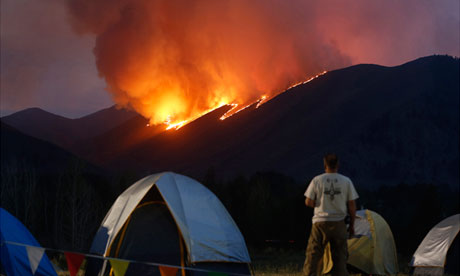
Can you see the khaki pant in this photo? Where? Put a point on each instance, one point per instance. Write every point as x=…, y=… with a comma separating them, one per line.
x=334, y=232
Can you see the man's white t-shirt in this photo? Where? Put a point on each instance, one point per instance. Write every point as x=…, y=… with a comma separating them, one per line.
x=330, y=191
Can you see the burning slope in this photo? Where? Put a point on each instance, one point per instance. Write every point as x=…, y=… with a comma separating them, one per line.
x=235, y=108
x=173, y=61
x=264, y=98
x=290, y=131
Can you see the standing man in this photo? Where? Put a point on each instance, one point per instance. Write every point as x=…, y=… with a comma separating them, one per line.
x=330, y=194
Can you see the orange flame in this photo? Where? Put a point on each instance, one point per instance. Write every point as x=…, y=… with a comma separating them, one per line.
x=176, y=105
x=173, y=61
x=234, y=110
x=264, y=98
x=178, y=125
x=307, y=81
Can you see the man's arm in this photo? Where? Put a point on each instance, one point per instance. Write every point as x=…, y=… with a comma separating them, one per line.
x=310, y=202
x=352, y=211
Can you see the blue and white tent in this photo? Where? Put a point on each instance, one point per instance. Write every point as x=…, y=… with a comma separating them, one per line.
x=171, y=219
x=17, y=259
x=431, y=255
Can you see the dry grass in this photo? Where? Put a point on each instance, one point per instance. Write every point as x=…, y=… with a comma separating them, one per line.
x=277, y=261
x=274, y=262
x=66, y=273
x=289, y=262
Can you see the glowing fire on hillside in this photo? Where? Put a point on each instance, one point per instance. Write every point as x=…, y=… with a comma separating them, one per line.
x=178, y=125
x=174, y=61
x=234, y=107
x=309, y=80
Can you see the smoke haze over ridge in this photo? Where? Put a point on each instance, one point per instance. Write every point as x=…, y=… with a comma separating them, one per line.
x=172, y=60
x=176, y=59
x=206, y=52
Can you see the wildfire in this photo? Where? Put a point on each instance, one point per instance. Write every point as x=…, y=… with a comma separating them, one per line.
x=261, y=101
x=234, y=107
x=307, y=81
x=264, y=98
x=233, y=110
x=178, y=125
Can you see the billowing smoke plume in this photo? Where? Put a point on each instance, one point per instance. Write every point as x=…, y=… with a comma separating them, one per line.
x=174, y=59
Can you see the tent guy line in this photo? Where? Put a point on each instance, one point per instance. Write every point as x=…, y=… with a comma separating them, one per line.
x=116, y=259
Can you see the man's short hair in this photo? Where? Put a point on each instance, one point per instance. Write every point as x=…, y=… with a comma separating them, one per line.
x=331, y=160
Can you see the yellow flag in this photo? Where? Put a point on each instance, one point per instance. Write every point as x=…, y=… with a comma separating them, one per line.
x=119, y=267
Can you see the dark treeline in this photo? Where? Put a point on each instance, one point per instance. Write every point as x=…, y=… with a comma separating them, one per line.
x=64, y=211
x=268, y=207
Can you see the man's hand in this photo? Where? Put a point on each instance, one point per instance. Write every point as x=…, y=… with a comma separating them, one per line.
x=351, y=231
x=310, y=202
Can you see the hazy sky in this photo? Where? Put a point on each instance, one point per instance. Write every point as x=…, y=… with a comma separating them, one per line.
x=46, y=64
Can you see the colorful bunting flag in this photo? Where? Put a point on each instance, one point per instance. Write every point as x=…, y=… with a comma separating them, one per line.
x=119, y=267
x=74, y=261
x=35, y=255
x=168, y=271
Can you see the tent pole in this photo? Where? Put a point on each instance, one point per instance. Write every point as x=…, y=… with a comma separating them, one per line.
x=101, y=273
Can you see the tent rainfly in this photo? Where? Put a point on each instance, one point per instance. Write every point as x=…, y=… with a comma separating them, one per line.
x=170, y=219
x=372, y=249
x=17, y=259
x=430, y=256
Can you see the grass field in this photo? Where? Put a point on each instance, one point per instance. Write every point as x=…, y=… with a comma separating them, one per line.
x=278, y=261
x=272, y=261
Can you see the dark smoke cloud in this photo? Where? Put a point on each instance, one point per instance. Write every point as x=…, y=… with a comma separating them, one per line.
x=178, y=58
x=261, y=46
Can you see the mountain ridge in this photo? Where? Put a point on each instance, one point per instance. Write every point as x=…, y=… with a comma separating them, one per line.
x=21, y=151
x=63, y=131
x=283, y=125
x=413, y=104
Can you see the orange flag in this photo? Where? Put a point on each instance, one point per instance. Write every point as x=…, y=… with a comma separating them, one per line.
x=74, y=261
x=168, y=271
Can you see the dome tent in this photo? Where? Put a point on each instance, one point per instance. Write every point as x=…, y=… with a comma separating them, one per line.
x=15, y=258
x=372, y=249
x=430, y=256
x=170, y=219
